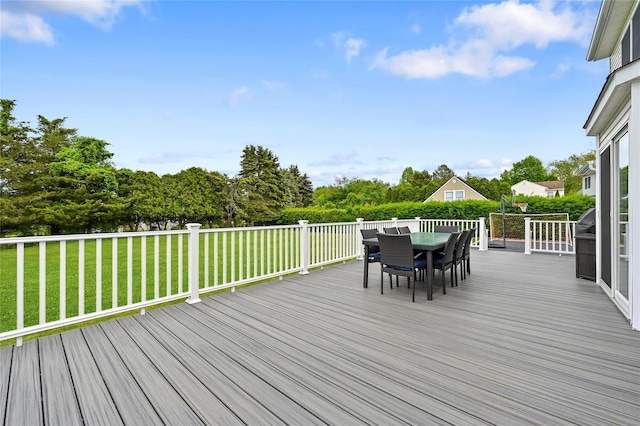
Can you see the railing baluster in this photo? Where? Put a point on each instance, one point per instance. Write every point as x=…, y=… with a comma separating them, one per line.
x=81, y=278
x=129, y=270
x=20, y=289
x=98, y=274
x=206, y=260
x=156, y=266
x=168, y=267
x=63, y=279
x=43, y=282
x=143, y=268
x=180, y=263
x=114, y=272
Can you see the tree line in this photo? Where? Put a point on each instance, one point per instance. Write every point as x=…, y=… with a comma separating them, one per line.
x=53, y=181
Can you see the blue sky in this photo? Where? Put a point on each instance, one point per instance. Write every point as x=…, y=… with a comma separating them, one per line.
x=351, y=89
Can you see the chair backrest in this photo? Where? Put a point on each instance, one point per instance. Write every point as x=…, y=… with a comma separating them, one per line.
x=404, y=230
x=370, y=233
x=445, y=228
x=467, y=243
x=396, y=250
x=460, y=244
x=450, y=247
x=392, y=231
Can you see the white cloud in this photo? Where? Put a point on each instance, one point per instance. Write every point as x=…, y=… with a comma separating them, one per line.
x=416, y=29
x=26, y=20
x=239, y=94
x=495, y=30
x=350, y=46
x=25, y=27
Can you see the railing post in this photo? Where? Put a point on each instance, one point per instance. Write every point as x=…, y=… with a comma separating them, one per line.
x=482, y=231
x=416, y=228
x=527, y=235
x=304, y=246
x=193, y=260
x=360, y=226
x=394, y=221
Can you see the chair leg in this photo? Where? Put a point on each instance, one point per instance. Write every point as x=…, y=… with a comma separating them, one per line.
x=444, y=285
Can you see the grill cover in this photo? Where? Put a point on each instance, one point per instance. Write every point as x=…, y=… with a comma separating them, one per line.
x=586, y=223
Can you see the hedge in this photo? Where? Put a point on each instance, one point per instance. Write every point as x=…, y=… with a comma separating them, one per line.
x=575, y=205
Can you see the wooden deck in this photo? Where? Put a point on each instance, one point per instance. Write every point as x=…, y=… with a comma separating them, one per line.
x=521, y=341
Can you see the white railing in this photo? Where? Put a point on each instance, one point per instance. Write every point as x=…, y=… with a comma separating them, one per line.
x=549, y=236
x=55, y=281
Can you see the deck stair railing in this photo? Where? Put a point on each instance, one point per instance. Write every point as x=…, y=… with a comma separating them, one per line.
x=47, y=282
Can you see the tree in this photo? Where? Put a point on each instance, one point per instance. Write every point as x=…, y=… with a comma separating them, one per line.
x=443, y=173
x=143, y=193
x=420, y=179
x=529, y=168
x=302, y=187
x=566, y=170
x=24, y=165
x=81, y=189
x=492, y=189
x=261, y=179
x=407, y=175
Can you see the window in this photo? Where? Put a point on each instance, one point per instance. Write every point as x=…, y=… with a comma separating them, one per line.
x=453, y=195
x=587, y=182
x=626, y=47
x=551, y=194
x=635, y=31
x=631, y=40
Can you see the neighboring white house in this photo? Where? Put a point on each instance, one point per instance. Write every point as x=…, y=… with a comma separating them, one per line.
x=614, y=121
x=587, y=173
x=553, y=188
x=455, y=189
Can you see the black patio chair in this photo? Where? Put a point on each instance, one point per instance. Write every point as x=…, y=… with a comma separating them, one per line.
x=392, y=231
x=458, y=255
x=397, y=258
x=445, y=228
x=404, y=230
x=446, y=260
x=374, y=252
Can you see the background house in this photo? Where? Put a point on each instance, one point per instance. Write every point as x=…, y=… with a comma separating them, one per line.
x=615, y=123
x=587, y=173
x=553, y=188
x=455, y=189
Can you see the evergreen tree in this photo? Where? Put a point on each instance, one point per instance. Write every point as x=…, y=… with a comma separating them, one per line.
x=261, y=180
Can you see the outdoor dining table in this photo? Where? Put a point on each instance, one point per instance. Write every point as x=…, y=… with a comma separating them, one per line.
x=427, y=242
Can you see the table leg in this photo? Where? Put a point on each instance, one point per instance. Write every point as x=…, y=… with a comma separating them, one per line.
x=365, y=282
x=429, y=275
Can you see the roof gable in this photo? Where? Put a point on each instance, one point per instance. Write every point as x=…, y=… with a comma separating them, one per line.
x=444, y=186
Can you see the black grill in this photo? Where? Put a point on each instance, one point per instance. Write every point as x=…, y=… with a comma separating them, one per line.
x=586, y=245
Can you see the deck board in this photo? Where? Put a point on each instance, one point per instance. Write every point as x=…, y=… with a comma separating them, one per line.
x=60, y=405
x=520, y=341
